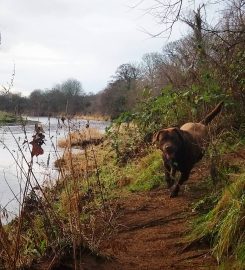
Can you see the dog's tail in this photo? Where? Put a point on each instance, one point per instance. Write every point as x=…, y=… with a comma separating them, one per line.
x=212, y=114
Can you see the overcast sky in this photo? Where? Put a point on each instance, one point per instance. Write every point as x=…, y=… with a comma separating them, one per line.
x=49, y=41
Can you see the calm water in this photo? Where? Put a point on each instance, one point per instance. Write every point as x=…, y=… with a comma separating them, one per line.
x=13, y=150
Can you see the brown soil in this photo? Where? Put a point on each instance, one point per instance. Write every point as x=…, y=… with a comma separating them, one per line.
x=151, y=232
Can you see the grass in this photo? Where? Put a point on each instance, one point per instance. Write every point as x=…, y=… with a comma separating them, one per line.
x=78, y=137
x=140, y=174
x=143, y=170
x=143, y=174
x=224, y=225
x=97, y=117
x=148, y=173
x=6, y=118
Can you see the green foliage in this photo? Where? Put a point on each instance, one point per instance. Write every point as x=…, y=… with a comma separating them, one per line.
x=143, y=174
x=172, y=108
x=126, y=141
x=8, y=118
x=154, y=112
x=125, y=117
x=43, y=246
x=35, y=242
x=224, y=224
x=148, y=174
x=237, y=68
x=205, y=204
x=229, y=140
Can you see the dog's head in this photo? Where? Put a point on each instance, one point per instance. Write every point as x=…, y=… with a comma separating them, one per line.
x=170, y=142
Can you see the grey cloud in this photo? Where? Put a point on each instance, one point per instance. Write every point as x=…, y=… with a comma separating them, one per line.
x=51, y=40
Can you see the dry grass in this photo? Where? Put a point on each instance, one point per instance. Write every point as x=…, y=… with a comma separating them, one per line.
x=83, y=162
x=65, y=213
x=124, y=128
x=97, y=117
x=78, y=137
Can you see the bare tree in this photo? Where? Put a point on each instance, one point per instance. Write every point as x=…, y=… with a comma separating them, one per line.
x=72, y=87
x=168, y=13
x=128, y=73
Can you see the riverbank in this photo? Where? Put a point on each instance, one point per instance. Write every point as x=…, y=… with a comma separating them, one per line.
x=8, y=119
x=141, y=228
x=93, y=117
x=97, y=117
x=146, y=229
x=104, y=212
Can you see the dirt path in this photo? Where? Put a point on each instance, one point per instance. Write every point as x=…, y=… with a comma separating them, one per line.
x=151, y=229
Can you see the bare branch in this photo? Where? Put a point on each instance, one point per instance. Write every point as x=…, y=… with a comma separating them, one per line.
x=6, y=89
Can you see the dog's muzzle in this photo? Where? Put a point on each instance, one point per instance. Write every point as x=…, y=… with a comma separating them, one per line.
x=168, y=152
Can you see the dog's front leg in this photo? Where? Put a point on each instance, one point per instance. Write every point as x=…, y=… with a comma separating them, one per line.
x=169, y=174
x=184, y=176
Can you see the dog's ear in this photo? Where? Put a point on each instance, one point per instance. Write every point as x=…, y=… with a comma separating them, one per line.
x=155, y=137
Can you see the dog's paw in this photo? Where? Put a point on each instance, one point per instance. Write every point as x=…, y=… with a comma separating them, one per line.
x=173, y=194
x=170, y=183
x=175, y=191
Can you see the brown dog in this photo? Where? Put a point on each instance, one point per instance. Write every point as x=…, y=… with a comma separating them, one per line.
x=182, y=148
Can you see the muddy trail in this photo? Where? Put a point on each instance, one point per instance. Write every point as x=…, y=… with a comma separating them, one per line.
x=151, y=231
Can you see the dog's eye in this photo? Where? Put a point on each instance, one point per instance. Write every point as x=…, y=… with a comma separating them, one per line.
x=169, y=148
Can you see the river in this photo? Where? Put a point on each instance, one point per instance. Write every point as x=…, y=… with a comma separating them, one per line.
x=15, y=153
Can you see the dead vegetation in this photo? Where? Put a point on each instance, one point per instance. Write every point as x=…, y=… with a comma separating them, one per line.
x=81, y=138
x=61, y=217
x=95, y=116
